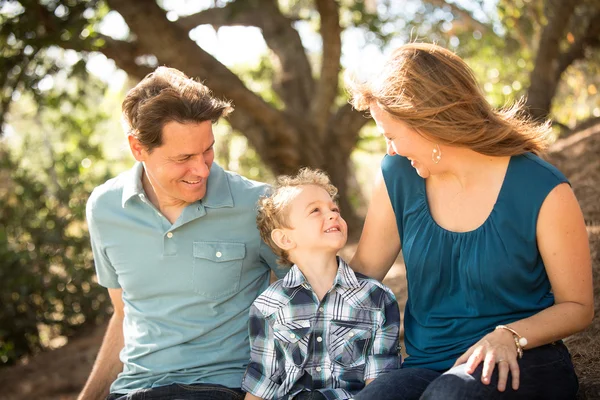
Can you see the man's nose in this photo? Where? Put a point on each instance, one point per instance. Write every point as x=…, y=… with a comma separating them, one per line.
x=200, y=168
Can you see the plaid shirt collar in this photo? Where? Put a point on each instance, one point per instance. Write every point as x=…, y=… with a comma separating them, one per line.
x=345, y=280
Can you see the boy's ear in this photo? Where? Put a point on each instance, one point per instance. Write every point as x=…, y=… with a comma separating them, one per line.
x=282, y=239
x=137, y=149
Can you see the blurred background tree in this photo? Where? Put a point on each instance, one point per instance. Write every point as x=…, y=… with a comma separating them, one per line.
x=61, y=69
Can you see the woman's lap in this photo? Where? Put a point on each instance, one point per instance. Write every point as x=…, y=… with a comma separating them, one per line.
x=546, y=372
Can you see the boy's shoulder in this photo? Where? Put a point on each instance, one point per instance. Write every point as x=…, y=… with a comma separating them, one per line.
x=372, y=291
x=273, y=299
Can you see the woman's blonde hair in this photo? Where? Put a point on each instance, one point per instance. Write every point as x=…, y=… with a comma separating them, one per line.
x=273, y=209
x=434, y=91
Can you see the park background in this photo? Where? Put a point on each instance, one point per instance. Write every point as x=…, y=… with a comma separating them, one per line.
x=66, y=65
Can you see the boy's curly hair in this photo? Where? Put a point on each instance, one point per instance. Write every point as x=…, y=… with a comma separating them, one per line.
x=273, y=208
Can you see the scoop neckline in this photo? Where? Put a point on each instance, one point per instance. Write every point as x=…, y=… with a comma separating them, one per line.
x=487, y=219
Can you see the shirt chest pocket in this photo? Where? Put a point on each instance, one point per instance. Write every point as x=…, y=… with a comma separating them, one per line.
x=349, y=342
x=217, y=268
x=292, y=339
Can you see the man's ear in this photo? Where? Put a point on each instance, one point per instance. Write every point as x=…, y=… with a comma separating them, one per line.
x=282, y=239
x=137, y=149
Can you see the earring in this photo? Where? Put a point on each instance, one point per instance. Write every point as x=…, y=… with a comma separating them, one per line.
x=436, y=154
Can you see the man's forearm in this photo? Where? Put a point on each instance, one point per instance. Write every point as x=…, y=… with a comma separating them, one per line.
x=107, y=365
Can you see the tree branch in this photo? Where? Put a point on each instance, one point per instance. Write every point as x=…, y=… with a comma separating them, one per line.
x=294, y=77
x=155, y=32
x=576, y=51
x=543, y=77
x=330, y=64
x=462, y=14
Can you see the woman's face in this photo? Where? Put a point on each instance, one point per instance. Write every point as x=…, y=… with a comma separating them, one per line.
x=404, y=141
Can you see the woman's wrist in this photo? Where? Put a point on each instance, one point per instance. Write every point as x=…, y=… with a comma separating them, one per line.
x=520, y=341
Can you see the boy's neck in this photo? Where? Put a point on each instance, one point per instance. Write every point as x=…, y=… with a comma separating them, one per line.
x=319, y=270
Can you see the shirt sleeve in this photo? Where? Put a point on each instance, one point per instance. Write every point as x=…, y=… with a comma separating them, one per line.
x=269, y=258
x=107, y=276
x=384, y=354
x=263, y=358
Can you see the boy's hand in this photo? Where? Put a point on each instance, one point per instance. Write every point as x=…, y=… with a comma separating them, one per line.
x=250, y=396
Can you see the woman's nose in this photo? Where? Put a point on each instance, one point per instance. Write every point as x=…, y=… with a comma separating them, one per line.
x=390, y=149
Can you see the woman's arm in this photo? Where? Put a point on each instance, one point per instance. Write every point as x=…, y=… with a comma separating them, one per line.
x=563, y=244
x=379, y=243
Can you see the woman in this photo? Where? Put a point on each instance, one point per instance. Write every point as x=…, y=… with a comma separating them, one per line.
x=495, y=245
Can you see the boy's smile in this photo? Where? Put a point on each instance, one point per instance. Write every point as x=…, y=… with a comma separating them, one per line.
x=315, y=220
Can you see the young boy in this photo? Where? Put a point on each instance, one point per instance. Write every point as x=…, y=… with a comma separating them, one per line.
x=323, y=331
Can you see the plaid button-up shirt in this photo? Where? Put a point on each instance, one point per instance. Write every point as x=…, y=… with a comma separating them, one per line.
x=332, y=346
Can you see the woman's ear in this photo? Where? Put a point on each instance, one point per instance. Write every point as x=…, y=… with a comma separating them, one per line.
x=282, y=239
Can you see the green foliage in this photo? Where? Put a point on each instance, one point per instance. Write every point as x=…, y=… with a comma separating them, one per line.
x=46, y=266
x=28, y=28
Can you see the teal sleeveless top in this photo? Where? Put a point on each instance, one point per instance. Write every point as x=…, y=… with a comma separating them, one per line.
x=461, y=285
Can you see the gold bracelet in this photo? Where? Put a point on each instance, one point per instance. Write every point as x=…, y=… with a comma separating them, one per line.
x=520, y=341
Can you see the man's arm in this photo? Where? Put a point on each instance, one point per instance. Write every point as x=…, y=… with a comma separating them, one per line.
x=107, y=365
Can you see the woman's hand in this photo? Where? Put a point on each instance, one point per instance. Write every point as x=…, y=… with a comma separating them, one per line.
x=497, y=348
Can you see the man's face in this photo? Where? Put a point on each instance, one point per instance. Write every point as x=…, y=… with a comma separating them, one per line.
x=178, y=169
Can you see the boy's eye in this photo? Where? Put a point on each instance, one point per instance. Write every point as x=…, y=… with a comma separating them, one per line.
x=315, y=210
x=335, y=209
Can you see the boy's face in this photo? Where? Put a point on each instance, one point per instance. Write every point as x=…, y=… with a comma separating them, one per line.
x=315, y=221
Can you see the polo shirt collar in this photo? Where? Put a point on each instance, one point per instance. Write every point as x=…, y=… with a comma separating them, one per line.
x=132, y=186
x=218, y=193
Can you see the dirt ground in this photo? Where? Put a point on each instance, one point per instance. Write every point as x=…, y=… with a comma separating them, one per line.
x=60, y=374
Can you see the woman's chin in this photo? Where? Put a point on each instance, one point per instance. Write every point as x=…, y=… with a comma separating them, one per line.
x=422, y=172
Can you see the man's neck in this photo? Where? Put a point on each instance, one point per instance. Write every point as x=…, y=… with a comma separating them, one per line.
x=319, y=270
x=171, y=211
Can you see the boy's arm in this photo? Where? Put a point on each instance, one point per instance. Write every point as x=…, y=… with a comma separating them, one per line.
x=250, y=396
x=263, y=359
x=384, y=354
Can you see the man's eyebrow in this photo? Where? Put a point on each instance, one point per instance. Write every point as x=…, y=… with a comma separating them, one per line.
x=193, y=154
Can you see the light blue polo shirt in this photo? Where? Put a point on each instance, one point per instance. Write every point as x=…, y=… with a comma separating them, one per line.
x=188, y=286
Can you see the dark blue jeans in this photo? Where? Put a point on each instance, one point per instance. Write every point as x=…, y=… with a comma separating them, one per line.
x=178, y=391
x=546, y=373
x=310, y=395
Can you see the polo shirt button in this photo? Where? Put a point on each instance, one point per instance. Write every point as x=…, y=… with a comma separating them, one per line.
x=319, y=339
x=321, y=309
x=351, y=334
x=170, y=235
x=219, y=254
x=292, y=336
x=318, y=369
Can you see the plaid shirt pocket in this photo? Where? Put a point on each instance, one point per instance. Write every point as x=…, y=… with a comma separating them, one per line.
x=292, y=338
x=349, y=342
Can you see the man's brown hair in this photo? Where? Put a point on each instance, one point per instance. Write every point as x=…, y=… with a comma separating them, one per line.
x=168, y=95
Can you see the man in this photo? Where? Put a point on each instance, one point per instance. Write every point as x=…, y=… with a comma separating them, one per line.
x=176, y=244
